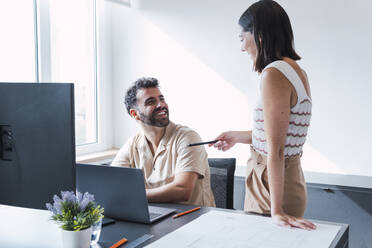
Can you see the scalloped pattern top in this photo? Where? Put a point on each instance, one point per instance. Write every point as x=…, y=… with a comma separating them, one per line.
x=300, y=116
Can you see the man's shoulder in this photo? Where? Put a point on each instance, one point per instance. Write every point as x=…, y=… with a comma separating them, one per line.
x=134, y=140
x=125, y=154
x=182, y=132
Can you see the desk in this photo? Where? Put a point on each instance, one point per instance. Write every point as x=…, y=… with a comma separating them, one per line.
x=31, y=228
x=132, y=231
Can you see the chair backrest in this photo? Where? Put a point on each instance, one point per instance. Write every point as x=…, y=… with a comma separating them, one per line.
x=222, y=181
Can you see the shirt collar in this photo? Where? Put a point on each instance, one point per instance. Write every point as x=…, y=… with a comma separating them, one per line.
x=169, y=131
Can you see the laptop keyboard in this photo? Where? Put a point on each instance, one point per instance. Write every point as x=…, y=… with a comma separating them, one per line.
x=155, y=212
x=154, y=215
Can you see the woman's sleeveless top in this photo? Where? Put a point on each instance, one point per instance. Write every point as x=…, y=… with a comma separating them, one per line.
x=299, y=118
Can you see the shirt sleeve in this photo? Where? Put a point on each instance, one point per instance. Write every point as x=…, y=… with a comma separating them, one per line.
x=123, y=157
x=193, y=159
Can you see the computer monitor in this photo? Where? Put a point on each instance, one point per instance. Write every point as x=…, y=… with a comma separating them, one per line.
x=37, y=142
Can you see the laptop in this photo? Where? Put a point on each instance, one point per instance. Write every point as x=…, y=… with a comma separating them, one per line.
x=120, y=191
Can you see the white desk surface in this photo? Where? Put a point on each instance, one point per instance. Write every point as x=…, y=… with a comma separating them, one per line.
x=28, y=228
x=32, y=228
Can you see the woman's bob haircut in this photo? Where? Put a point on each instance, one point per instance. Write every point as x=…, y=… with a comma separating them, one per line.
x=272, y=31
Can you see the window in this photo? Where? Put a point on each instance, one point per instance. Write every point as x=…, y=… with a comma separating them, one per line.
x=54, y=41
x=68, y=53
x=17, y=43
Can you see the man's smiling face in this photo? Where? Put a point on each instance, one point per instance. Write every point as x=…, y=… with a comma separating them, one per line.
x=152, y=108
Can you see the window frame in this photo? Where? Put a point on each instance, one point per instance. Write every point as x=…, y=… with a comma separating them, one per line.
x=102, y=91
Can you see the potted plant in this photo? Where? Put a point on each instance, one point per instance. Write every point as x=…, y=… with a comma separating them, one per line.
x=75, y=214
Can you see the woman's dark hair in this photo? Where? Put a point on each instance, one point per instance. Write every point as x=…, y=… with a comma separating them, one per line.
x=141, y=83
x=272, y=31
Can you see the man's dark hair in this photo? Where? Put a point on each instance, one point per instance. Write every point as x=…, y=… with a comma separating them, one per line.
x=141, y=83
x=272, y=31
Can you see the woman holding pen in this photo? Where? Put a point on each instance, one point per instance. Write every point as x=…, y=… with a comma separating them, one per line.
x=275, y=183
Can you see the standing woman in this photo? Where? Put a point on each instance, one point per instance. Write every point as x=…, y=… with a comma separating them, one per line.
x=275, y=183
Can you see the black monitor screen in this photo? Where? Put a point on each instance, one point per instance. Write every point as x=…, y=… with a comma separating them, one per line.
x=37, y=142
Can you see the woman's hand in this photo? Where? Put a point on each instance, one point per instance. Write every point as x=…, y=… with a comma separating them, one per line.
x=226, y=140
x=291, y=221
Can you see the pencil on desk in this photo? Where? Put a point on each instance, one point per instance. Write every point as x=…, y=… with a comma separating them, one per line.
x=186, y=212
x=119, y=243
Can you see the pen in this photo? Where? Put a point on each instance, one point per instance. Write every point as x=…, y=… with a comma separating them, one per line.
x=203, y=143
x=186, y=212
x=119, y=243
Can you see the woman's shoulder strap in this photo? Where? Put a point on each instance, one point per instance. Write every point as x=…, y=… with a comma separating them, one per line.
x=291, y=75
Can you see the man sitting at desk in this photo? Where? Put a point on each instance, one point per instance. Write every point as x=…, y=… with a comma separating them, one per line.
x=173, y=171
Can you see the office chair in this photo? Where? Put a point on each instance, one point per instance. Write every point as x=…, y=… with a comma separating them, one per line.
x=222, y=181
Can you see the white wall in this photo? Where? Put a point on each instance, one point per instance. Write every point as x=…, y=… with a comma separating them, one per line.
x=192, y=47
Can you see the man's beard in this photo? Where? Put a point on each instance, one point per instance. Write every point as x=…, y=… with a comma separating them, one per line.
x=153, y=121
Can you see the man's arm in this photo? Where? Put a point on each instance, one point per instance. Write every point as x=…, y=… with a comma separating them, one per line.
x=180, y=189
x=190, y=167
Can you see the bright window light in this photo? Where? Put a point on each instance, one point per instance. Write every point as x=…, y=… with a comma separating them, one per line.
x=17, y=43
x=72, y=54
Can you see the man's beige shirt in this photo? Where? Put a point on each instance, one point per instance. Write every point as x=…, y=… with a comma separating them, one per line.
x=171, y=157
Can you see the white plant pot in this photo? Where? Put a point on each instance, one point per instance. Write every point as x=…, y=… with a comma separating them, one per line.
x=76, y=239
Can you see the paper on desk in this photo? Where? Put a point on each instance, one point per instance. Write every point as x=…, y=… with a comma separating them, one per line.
x=218, y=229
